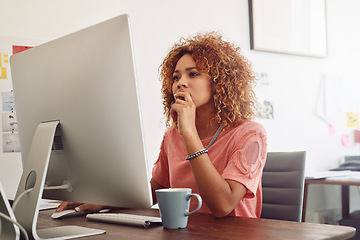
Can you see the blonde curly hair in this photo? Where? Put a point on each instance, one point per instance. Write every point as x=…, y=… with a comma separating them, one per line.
x=231, y=76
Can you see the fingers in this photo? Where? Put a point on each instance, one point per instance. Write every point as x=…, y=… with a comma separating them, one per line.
x=173, y=114
x=79, y=207
x=88, y=208
x=182, y=97
x=183, y=103
x=64, y=205
x=182, y=100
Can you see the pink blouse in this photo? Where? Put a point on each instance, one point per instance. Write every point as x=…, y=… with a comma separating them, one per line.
x=238, y=154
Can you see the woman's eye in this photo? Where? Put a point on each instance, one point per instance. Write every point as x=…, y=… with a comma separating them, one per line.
x=193, y=74
x=175, y=78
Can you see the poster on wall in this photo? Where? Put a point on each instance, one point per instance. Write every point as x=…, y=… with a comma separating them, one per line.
x=11, y=142
x=265, y=109
x=264, y=105
x=292, y=27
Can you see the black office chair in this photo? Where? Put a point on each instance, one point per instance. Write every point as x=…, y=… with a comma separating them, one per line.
x=283, y=185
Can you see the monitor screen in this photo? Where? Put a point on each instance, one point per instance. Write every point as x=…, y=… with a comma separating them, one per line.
x=87, y=82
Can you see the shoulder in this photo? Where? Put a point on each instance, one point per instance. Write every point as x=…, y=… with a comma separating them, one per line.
x=249, y=127
x=249, y=132
x=171, y=134
x=171, y=131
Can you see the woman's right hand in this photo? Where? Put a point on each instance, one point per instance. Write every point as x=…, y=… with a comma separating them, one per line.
x=184, y=111
x=79, y=207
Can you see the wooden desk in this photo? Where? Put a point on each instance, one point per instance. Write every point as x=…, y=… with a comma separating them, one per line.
x=344, y=182
x=204, y=226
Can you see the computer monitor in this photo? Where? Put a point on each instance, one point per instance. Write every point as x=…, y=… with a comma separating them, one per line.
x=82, y=88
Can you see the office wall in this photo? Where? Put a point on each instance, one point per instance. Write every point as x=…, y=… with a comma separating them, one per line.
x=294, y=82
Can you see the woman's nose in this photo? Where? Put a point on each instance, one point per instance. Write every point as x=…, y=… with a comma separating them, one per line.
x=182, y=82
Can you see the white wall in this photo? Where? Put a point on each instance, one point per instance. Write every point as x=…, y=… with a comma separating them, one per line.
x=157, y=24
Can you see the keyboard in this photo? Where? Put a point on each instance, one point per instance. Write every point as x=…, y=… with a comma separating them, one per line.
x=124, y=218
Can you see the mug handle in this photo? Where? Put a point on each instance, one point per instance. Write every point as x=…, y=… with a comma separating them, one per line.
x=187, y=213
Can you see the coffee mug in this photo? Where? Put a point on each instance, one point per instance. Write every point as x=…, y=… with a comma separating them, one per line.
x=174, y=206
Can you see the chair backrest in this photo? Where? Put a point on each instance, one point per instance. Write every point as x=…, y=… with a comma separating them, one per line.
x=283, y=185
x=352, y=158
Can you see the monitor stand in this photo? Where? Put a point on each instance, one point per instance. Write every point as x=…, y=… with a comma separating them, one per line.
x=8, y=230
x=31, y=187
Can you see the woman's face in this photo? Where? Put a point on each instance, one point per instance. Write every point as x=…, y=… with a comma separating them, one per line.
x=187, y=78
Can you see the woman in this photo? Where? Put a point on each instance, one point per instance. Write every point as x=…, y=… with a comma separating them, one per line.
x=212, y=145
x=208, y=97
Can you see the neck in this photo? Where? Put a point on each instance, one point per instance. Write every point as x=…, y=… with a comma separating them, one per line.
x=205, y=126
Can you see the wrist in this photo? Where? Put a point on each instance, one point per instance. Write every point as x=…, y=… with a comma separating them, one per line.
x=196, y=154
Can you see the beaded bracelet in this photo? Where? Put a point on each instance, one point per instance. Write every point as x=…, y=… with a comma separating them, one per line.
x=196, y=154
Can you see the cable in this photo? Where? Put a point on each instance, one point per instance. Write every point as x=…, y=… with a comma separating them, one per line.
x=60, y=187
x=64, y=186
x=23, y=231
x=16, y=201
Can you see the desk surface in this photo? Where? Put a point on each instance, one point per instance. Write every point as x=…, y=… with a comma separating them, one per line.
x=344, y=181
x=204, y=226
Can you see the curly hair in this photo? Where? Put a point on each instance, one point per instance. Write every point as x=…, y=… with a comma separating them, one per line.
x=231, y=76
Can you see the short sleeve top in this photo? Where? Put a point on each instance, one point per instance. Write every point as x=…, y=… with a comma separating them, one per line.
x=238, y=154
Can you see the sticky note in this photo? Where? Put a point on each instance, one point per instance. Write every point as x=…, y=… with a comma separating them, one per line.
x=345, y=140
x=3, y=69
x=331, y=130
x=357, y=136
x=352, y=119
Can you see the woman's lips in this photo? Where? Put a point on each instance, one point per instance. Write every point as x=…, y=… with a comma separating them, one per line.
x=180, y=97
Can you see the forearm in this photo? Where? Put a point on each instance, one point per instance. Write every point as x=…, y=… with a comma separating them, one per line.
x=218, y=194
x=154, y=187
x=215, y=191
